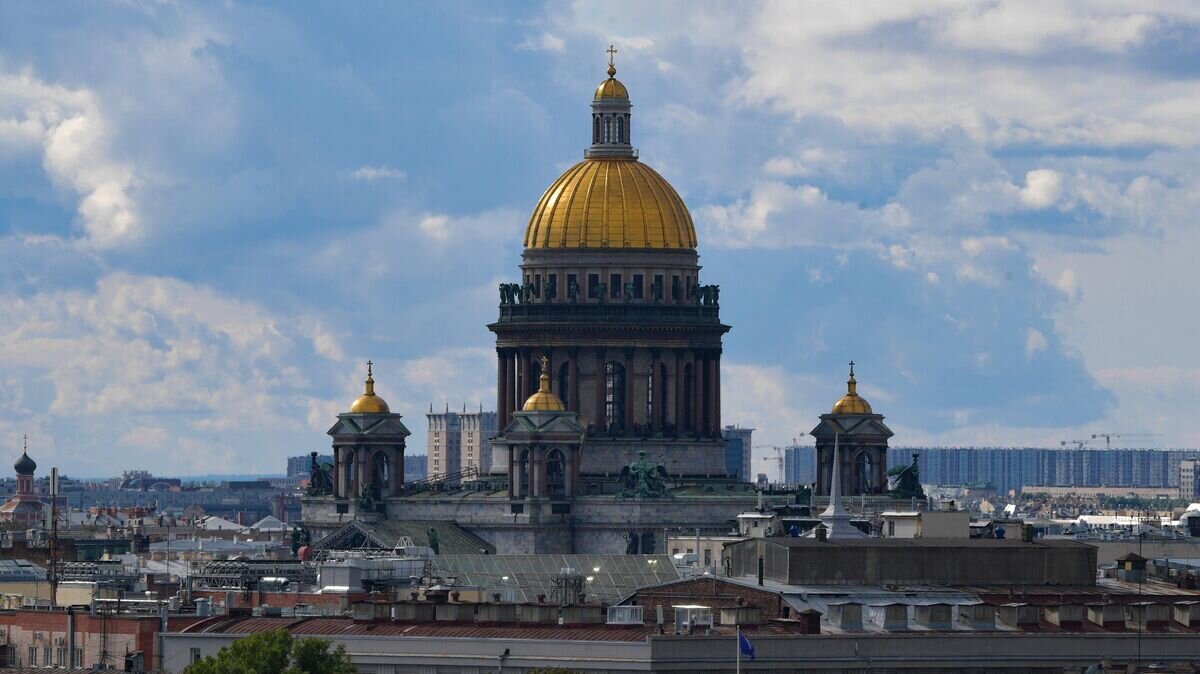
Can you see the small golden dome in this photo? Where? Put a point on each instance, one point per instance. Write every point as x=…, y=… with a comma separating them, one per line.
x=610, y=203
x=368, y=402
x=852, y=403
x=544, y=400
x=611, y=88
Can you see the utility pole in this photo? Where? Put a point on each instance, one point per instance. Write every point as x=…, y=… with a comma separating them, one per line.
x=53, y=571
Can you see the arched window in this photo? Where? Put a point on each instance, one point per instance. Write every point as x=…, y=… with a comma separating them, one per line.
x=380, y=473
x=650, y=401
x=620, y=130
x=596, y=128
x=614, y=396
x=522, y=476
x=688, y=378
x=863, y=469
x=608, y=129
x=556, y=473
x=564, y=381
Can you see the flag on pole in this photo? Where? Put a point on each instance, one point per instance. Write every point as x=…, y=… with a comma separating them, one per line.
x=744, y=646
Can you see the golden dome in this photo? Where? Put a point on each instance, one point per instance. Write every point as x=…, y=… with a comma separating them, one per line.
x=544, y=400
x=610, y=203
x=611, y=87
x=368, y=402
x=852, y=403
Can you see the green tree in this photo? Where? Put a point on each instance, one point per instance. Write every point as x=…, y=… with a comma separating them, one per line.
x=276, y=652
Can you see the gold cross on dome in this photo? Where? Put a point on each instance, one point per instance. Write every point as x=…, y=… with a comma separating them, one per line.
x=851, y=368
x=612, y=53
x=369, y=364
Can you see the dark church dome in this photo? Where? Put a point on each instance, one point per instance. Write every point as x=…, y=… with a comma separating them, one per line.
x=25, y=465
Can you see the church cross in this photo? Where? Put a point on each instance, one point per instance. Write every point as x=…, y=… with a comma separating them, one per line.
x=612, y=52
x=25, y=446
x=369, y=364
x=851, y=368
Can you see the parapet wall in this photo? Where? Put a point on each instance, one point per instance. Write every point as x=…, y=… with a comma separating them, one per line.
x=916, y=562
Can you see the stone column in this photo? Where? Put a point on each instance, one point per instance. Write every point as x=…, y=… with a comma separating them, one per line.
x=717, y=392
x=698, y=393
x=531, y=490
x=600, y=421
x=710, y=399
x=525, y=390
x=514, y=475
x=339, y=472
x=629, y=377
x=503, y=388
x=679, y=401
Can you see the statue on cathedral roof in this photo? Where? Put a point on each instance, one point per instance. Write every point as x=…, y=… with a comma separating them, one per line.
x=643, y=479
x=320, y=478
x=907, y=480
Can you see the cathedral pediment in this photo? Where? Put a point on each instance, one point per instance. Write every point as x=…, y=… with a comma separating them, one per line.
x=851, y=425
x=369, y=424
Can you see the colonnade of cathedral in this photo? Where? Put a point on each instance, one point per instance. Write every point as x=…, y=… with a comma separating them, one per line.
x=541, y=471
x=633, y=391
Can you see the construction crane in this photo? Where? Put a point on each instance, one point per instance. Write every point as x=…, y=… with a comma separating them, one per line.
x=779, y=456
x=1109, y=436
x=1079, y=444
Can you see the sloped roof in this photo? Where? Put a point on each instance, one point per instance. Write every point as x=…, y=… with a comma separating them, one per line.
x=270, y=523
x=390, y=534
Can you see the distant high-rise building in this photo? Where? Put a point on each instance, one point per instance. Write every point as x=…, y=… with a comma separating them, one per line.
x=415, y=467
x=737, y=451
x=301, y=466
x=458, y=441
x=1008, y=468
x=800, y=465
x=1187, y=479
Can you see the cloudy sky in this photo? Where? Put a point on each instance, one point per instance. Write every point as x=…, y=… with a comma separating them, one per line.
x=212, y=214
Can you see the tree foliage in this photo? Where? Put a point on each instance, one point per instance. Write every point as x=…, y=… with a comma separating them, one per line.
x=276, y=652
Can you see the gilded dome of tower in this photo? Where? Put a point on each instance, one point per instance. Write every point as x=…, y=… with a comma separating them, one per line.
x=544, y=400
x=368, y=402
x=852, y=403
x=610, y=199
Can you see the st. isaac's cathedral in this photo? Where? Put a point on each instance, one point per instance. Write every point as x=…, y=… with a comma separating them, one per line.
x=608, y=390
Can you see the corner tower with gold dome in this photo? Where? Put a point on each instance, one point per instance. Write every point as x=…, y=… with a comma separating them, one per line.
x=610, y=296
x=861, y=438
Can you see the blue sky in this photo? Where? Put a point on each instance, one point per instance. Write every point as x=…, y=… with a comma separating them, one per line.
x=212, y=214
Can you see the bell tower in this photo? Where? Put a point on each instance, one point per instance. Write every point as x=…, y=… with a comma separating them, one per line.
x=368, y=454
x=862, y=440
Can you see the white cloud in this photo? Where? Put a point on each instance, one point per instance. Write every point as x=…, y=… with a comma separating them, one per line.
x=543, y=42
x=372, y=173
x=1035, y=343
x=1042, y=188
x=74, y=137
x=202, y=362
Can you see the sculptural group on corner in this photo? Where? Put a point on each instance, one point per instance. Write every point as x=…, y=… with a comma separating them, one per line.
x=643, y=479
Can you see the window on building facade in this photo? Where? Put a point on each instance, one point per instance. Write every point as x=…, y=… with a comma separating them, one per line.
x=638, y=283
x=195, y=655
x=614, y=395
x=556, y=473
x=650, y=394
x=32, y=656
x=614, y=286
x=593, y=288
